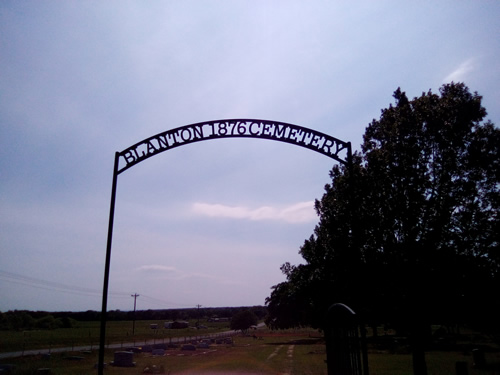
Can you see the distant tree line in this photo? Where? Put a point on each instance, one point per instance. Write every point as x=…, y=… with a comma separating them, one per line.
x=26, y=320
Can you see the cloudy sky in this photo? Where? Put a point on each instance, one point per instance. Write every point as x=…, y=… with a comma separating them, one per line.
x=208, y=223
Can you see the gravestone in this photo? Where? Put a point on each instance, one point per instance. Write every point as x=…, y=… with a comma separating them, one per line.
x=478, y=358
x=461, y=368
x=124, y=359
x=345, y=350
x=159, y=352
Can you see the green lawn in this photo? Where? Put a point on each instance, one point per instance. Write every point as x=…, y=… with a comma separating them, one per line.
x=87, y=334
x=295, y=352
x=267, y=355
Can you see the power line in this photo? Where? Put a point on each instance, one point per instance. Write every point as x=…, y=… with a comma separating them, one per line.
x=32, y=282
x=52, y=286
x=163, y=303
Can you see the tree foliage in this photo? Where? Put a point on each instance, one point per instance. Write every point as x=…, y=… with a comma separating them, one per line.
x=409, y=233
x=243, y=320
x=27, y=320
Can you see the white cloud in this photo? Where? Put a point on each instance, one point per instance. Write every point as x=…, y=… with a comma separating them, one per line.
x=296, y=213
x=173, y=273
x=460, y=74
x=157, y=268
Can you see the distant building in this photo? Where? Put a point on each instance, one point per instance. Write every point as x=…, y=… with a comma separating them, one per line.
x=217, y=319
x=176, y=325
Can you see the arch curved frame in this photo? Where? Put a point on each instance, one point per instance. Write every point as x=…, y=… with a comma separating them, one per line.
x=229, y=128
x=235, y=128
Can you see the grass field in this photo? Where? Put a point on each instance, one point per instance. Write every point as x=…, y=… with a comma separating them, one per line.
x=271, y=353
x=294, y=352
x=87, y=334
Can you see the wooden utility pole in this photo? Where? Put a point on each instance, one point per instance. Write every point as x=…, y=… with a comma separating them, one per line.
x=198, y=306
x=133, y=319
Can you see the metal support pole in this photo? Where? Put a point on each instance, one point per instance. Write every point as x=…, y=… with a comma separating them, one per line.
x=102, y=340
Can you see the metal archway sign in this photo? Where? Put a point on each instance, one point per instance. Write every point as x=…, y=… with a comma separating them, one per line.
x=231, y=128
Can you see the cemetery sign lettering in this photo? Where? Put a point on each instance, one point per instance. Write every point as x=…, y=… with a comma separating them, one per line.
x=235, y=128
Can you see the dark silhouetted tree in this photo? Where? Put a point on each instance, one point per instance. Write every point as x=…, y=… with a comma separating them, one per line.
x=409, y=234
x=243, y=320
